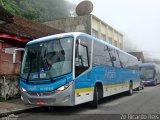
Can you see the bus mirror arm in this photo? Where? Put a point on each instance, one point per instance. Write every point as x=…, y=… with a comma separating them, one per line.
x=79, y=48
x=79, y=41
x=14, y=54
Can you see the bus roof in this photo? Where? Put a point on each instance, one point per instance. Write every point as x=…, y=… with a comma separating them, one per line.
x=106, y=43
x=51, y=37
x=74, y=34
x=147, y=64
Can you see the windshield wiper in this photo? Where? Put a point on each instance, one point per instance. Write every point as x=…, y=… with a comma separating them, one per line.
x=29, y=72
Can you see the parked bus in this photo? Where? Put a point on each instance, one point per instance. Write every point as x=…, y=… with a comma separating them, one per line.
x=73, y=68
x=149, y=73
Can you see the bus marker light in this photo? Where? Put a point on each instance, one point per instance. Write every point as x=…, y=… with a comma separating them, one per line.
x=78, y=95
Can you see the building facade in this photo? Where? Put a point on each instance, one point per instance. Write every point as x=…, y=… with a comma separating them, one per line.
x=139, y=55
x=89, y=24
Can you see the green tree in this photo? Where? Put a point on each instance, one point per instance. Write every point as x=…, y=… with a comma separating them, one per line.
x=10, y=6
x=39, y=10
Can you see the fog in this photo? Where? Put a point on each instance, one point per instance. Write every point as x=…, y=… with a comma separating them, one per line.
x=137, y=20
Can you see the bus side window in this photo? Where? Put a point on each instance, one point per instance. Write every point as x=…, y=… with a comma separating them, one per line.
x=114, y=57
x=121, y=63
x=101, y=56
x=82, y=59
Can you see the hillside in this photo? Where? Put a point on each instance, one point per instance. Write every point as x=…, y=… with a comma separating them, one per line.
x=39, y=10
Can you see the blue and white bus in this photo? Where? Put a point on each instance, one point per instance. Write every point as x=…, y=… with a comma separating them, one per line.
x=150, y=73
x=74, y=68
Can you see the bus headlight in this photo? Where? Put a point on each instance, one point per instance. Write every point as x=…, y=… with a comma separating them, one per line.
x=64, y=87
x=23, y=90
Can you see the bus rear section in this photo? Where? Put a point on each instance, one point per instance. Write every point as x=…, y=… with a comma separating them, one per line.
x=102, y=70
x=149, y=73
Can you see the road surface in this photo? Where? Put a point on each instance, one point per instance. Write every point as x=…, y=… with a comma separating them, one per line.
x=144, y=103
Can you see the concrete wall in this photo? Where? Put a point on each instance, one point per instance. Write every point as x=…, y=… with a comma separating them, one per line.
x=9, y=72
x=9, y=86
x=72, y=24
x=89, y=24
x=6, y=59
x=104, y=30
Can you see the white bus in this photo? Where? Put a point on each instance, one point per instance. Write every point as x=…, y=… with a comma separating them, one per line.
x=74, y=68
x=149, y=73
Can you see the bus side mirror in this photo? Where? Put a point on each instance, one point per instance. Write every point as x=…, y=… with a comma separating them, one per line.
x=113, y=58
x=14, y=54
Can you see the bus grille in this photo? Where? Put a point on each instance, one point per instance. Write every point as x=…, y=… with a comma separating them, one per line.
x=41, y=93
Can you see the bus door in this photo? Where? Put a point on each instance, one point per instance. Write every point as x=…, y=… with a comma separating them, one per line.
x=82, y=70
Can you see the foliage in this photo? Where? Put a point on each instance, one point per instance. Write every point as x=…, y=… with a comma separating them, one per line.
x=2, y=99
x=39, y=10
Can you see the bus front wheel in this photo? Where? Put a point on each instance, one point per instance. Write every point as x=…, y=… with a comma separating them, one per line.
x=155, y=83
x=130, y=91
x=94, y=103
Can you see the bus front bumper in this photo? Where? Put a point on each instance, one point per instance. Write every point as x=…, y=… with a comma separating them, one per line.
x=55, y=98
x=148, y=82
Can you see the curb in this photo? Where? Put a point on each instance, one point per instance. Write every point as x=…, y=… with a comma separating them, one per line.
x=17, y=111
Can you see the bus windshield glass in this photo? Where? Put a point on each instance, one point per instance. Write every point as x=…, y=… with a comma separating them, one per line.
x=48, y=59
x=147, y=73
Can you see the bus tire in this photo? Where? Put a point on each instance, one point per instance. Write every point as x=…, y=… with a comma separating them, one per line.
x=141, y=87
x=130, y=91
x=138, y=89
x=94, y=103
x=155, y=83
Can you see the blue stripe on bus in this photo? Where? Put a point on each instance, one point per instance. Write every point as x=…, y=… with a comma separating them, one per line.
x=107, y=75
x=46, y=87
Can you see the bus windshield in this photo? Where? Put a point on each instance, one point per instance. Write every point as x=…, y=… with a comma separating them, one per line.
x=48, y=59
x=147, y=73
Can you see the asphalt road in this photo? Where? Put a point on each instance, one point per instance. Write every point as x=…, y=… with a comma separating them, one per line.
x=145, y=103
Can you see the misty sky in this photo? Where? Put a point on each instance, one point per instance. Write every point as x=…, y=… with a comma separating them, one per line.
x=137, y=20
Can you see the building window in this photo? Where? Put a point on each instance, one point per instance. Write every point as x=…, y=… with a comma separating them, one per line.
x=110, y=40
x=121, y=46
x=95, y=33
x=103, y=36
x=115, y=43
